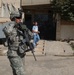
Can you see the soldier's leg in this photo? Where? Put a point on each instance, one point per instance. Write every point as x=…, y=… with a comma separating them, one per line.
x=17, y=65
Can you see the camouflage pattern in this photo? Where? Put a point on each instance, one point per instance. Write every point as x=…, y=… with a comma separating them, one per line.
x=14, y=57
x=15, y=14
x=17, y=65
x=8, y=28
x=14, y=40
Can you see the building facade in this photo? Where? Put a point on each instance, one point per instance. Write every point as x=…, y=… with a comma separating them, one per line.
x=39, y=10
x=53, y=29
x=6, y=6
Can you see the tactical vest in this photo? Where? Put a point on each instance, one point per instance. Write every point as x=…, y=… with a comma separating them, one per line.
x=13, y=39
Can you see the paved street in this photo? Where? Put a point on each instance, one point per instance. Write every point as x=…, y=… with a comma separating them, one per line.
x=57, y=59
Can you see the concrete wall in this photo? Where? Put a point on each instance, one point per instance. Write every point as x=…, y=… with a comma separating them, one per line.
x=35, y=2
x=16, y=3
x=0, y=3
x=67, y=30
x=5, y=6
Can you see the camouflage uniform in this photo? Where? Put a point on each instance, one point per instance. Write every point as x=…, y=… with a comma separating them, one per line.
x=16, y=59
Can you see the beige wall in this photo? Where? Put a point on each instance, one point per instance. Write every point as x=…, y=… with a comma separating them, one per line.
x=64, y=29
x=0, y=3
x=67, y=30
x=0, y=7
x=4, y=12
x=16, y=3
x=35, y=2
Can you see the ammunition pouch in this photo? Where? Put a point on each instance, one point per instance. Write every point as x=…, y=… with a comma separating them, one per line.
x=22, y=48
x=15, y=48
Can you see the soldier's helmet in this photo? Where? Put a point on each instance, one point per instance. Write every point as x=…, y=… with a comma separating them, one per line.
x=15, y=14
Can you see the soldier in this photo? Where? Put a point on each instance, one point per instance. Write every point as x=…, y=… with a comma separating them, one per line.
x=14, y=40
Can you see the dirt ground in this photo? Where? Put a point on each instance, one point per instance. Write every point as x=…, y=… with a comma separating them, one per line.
x=53, y=63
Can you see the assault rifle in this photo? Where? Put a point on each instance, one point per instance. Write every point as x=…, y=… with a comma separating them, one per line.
x=24, y=31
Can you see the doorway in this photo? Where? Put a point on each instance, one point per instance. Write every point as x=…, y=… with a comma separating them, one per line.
x=28, y=21
x=46, y=23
